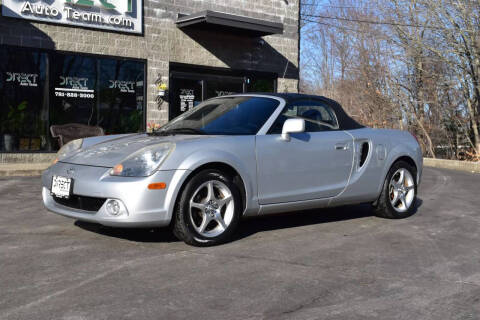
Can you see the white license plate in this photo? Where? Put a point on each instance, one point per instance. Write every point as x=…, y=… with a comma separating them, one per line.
x=61, y=186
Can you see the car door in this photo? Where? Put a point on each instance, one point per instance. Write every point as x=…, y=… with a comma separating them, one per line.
x=314, y=164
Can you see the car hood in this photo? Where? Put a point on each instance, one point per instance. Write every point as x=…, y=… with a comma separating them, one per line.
x=115, y=150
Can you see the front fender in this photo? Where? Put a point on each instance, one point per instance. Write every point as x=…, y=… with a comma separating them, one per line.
x=200, y=158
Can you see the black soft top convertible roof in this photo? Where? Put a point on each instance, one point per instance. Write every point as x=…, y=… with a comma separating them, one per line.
x=345, y=122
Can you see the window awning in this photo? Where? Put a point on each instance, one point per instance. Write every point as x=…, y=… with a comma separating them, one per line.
x=214, y=21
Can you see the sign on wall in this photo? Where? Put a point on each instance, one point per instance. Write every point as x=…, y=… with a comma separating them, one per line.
x=117, y=15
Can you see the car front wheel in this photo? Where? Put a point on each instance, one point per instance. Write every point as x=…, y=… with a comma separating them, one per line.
x=208, y=210
x=399, y=192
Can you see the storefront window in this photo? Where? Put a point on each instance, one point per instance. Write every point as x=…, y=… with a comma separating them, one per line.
x=86, y=89
x=260, y=85
x=224, y=87
x=74, y=80
x=121, y=95
x=23, y=100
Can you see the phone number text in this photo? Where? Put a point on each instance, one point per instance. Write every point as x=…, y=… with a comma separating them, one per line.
x=75, y=95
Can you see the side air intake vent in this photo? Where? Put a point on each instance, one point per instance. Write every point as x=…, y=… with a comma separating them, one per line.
x=363, y=153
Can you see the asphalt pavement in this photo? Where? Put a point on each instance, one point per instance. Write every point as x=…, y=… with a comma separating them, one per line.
x=340, y=263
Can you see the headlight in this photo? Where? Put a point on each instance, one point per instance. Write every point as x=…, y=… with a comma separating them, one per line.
x=143, y=162
x=68, y=149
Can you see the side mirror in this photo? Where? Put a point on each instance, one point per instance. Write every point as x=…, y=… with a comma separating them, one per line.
x=292, y=126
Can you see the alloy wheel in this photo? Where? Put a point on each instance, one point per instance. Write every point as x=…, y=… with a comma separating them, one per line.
x=211, y=208
x=401, y=190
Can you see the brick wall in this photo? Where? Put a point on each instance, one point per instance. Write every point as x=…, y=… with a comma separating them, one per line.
x=163, y=42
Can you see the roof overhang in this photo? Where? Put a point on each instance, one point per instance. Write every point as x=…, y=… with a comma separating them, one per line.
x=215, y=21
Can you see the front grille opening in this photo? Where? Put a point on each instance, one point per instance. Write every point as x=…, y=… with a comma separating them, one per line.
x=364, y=153
x=81, y=202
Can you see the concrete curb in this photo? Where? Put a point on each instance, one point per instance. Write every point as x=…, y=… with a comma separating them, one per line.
x=25, y=158
x=22, y=169
x=467, y=166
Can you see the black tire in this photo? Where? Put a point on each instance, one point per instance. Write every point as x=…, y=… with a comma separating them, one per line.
x=383, y=207
x=183, y=227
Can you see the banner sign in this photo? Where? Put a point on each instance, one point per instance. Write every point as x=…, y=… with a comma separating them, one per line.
x=117, y=15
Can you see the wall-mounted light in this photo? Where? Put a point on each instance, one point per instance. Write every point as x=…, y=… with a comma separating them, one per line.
x=162, y=90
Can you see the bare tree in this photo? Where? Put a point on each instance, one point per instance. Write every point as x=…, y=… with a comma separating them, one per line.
x=409, y=64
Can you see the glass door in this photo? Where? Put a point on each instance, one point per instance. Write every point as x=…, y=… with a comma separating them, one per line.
x=190, y=85
x=186, y=93
x=189, y=89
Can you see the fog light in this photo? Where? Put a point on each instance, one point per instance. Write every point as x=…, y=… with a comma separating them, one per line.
x=113, y=207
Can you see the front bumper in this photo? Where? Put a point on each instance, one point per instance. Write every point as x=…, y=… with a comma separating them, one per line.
x=141, y=207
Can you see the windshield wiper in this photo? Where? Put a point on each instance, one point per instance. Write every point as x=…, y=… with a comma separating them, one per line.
x=173, y=131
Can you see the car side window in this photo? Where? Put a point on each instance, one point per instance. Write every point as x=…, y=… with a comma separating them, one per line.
x=318, y=116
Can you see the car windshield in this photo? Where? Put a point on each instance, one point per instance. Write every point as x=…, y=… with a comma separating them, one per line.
x=240, y=115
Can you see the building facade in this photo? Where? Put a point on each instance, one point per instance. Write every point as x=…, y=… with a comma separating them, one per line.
x=74, y=61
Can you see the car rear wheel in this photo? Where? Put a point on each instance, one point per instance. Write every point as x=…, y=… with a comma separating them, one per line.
x=208, y=210
x=399, y=192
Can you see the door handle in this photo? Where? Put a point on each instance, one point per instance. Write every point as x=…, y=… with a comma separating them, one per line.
x=341, y=146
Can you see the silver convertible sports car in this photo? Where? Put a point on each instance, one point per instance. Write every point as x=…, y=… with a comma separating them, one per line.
x=232, y=157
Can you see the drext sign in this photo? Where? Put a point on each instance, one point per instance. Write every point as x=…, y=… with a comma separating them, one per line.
x=117, y=15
